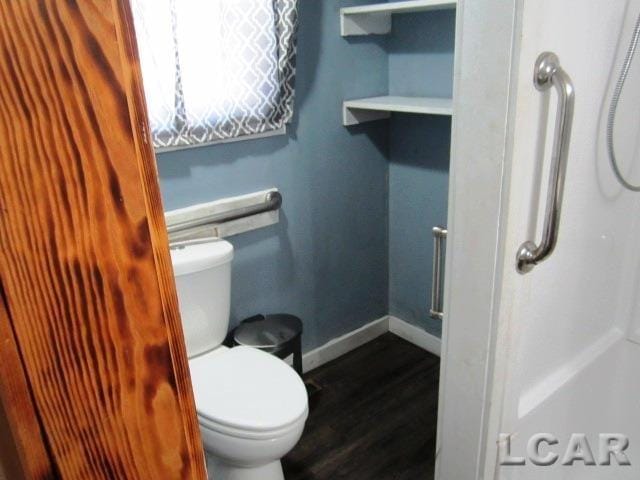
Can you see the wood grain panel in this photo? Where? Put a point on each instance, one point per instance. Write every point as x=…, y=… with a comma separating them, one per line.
x=84, y=257
x=22, y=445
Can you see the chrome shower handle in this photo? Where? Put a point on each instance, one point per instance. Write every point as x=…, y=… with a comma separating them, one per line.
x=548, y=73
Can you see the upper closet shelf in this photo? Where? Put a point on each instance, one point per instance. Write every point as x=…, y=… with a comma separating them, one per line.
x=376, y=108
x=376, y=19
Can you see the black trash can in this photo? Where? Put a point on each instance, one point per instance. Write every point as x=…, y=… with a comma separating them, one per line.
x=279, y=334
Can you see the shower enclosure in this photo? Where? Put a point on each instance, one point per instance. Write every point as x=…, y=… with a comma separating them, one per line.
x=552, y=348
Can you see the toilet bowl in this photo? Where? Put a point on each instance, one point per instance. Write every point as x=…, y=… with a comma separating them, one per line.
x=251, y=406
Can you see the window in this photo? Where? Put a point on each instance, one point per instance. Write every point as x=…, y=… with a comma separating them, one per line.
x=216, y=69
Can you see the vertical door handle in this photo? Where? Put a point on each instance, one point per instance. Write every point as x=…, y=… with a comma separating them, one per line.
x=439, y=238
x=548, y=73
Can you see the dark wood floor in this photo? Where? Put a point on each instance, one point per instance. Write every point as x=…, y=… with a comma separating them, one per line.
x=374, y=417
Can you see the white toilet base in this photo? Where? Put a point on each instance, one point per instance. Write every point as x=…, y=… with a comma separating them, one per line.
x=219, y=470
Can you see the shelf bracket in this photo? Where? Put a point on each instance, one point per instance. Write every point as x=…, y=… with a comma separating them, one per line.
x=365, y=24
x=354, y=116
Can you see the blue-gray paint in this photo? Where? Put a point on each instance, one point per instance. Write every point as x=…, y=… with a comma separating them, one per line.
x=418, y=182
x=326, y=261
x=420, y=50
x=352, y=196
x=420, y=64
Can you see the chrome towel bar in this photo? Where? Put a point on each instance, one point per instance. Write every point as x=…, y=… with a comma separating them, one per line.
x=548, y=73
x=272, y=202
x=439, y=239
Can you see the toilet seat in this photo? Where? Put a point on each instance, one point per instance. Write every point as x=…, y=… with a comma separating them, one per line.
x=247, y=393
x=238, y=433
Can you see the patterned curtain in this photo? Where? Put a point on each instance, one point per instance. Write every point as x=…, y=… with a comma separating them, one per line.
x=216, y=69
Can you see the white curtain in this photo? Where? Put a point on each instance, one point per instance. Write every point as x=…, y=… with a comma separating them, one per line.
x=216, y=69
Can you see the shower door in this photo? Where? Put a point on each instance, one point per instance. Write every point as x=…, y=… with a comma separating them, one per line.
x=566, y=380
x=554, y=351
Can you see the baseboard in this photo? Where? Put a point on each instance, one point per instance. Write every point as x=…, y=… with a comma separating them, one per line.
x=352, y=340
x=415, y=335
x=344, y=344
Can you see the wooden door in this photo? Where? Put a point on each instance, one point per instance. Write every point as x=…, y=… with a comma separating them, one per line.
x=94, y=377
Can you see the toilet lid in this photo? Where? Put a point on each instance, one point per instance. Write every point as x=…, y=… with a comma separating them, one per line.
x=248, y=389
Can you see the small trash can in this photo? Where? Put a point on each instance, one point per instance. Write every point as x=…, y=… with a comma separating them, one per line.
x=279, y=334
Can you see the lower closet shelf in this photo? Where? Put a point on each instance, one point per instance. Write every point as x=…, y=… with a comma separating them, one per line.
x=376, y=108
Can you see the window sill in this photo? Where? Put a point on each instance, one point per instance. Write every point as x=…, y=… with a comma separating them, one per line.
x=255, y=136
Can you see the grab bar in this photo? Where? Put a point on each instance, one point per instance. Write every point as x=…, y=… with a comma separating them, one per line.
x=548, y=73
x=439, y=238
x=272, y=202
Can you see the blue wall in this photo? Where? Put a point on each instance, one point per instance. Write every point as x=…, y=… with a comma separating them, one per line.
x=353, y=243
x=326, y=261
x=420, y=64
x=418, y=181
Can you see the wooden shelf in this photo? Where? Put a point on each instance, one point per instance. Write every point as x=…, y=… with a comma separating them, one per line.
x=376, y=19
x=376, y=108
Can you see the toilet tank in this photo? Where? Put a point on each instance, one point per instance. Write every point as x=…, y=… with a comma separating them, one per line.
x=203, y=281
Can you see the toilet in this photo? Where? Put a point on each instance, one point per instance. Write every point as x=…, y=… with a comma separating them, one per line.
x=251, y=406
